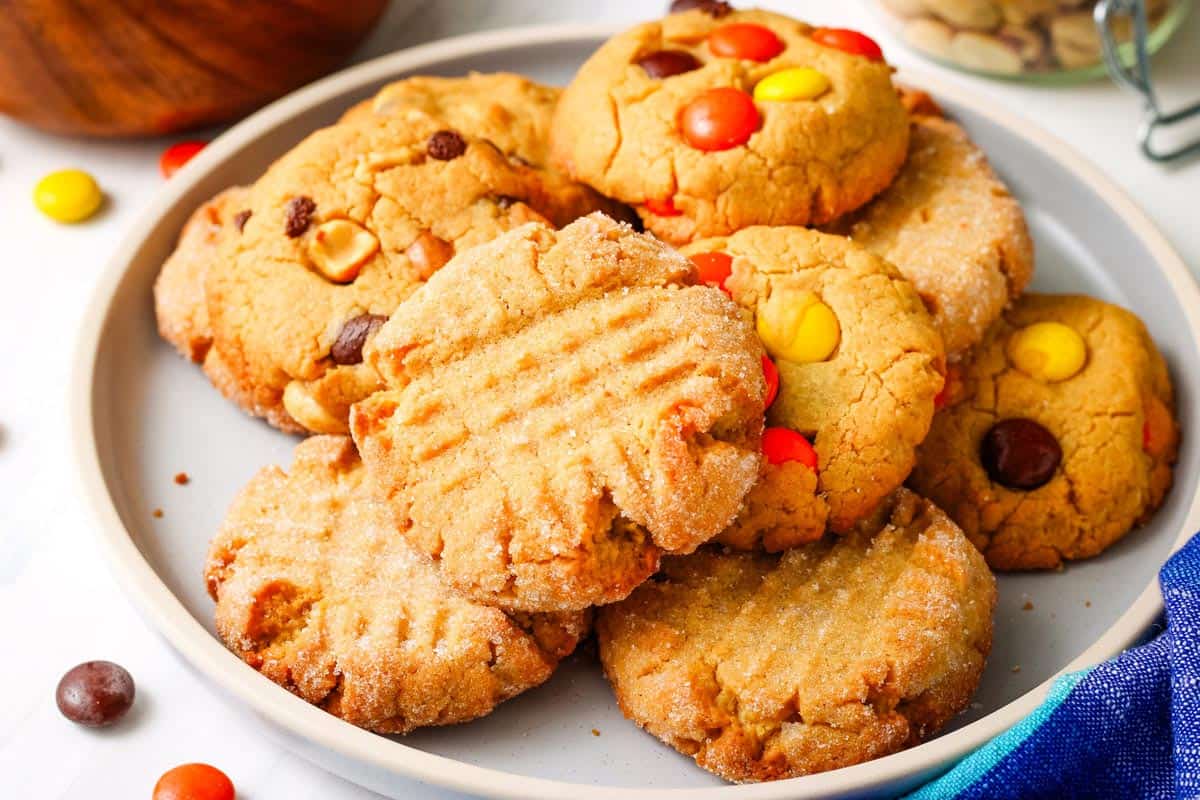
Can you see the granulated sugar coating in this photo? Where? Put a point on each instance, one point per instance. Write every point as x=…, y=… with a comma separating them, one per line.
x=317, y=590
x=561, y=409
x=835, y=653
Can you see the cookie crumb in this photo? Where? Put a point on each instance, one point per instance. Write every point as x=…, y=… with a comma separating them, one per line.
x=182, y=478
x=158, y=512
x=595, y=732
x=1028, y=606
x=1016, y=668
x=1087, y=603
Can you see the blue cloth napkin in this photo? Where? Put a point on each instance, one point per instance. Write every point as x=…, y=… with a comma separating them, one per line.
x=1128, y=728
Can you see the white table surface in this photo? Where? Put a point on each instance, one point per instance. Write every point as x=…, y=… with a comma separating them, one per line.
x=58, y=603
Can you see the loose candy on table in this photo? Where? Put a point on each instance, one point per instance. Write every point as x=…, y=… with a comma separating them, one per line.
x=745, y=40
x=177, y=155
x=798, y=327
x=194, y=782
x=665, y=63
x=68, y=195
x=95, y=694
x=719, y=119
x=1047, y=351
x=783, y=444
x=713, y=268
x=1020, y=453
x=797, y=83
x=848, y=41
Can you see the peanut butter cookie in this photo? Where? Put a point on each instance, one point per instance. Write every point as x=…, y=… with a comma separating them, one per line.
x=318, y=591
x=710, y=120
x=561, y=409
x=858, y=357
x=1062, y=438
x=765, y=667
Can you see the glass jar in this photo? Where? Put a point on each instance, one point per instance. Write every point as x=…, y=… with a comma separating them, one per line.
x=1039, y=40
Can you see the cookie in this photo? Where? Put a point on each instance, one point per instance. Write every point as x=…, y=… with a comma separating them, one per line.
x=317, y=590
x=179, y=304
x=859, y=360
x=1062, y=436
x=712, y=123
x=333, y=237
x=764, y=667
x=950, y=226
x=561, y=409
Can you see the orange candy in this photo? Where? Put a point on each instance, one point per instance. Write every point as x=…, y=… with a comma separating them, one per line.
x=719, y=119
x=177, y=155
x=1158, y=429
x=782, y=444
x=848, y=41
x=713, y=268
x=661, y=208
x=771, y=376
x=193, y=782
x=744, y=40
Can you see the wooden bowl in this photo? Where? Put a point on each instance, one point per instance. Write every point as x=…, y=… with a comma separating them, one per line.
x=148, y=67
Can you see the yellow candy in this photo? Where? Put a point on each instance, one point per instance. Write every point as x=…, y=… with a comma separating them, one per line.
x=798, y=83
x=1047, y=351
x=798, y=327
x=69, y=195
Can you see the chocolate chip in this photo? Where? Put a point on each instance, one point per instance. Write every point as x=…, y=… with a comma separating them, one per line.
x=446, y=146
x=1020, y=453
x=665, y=63
x=299, y=213
x=95, y=693
x=714, y=8
x=240, y=219
x=348, y=347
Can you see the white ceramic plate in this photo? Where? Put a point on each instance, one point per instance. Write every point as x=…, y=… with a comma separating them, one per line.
x=142, y=415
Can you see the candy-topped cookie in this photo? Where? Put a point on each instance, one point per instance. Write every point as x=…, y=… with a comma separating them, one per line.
x=950, y=226
x=562, y=408
x=858, y=360
x=712, y=120
x=767, y=667
x=1060, y=438
x=318, y=590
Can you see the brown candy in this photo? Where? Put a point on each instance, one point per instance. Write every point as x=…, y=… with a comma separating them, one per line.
x=95, y=693
x=714, y=8
x=446, y=146
x=1020, y=454
x=665, y=63
x=348, y=347
x=428, y=254
x=298, y=215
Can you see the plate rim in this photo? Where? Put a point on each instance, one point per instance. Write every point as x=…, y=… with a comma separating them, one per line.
x=156, y=603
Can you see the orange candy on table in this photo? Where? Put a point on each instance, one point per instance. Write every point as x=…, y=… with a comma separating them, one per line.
x=713, y=268
x=848, y=41
x=177, y=155
x=783, y=444
x=771, y=376
x=719, y=119
x=745, y=40
x=193, y=782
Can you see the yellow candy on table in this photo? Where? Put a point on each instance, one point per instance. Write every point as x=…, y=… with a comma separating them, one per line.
x=1048, y=351
x=68, y=195
x=797, y=83
x=798, y=327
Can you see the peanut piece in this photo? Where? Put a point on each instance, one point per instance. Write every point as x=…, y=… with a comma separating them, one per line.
x=340, y=247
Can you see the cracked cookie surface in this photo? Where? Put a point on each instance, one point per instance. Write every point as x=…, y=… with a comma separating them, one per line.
x=561, y=409
x=762, y=667
x=870, y=402
x=318, y=591
x=950, y=226
x=808, y=161
x=1113, y=420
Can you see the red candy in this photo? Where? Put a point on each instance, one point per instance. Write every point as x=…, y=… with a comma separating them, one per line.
x=743, y=40
x=713, y=268
x=719, y=119
x=661, y=208
x=781, y=444
x=193, y=782
x=848, y=41
x=771, y=376
x=177, y=155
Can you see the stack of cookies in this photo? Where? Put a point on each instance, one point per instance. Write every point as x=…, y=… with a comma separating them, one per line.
x=660, y=352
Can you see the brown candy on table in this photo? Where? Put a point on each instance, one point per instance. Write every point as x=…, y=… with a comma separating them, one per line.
x=665, y=63
x=95, y=693
x=348, y=347
x=298, y=215
x=428, y=254
x=446, y=146
x=1020, y=454
x=714, y=8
